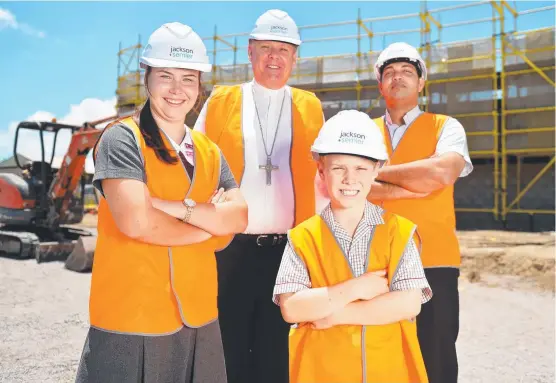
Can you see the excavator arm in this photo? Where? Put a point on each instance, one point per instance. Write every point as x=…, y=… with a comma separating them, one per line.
x=71, y=169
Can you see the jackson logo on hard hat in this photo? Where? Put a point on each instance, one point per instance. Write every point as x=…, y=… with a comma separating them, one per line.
x=181, y=52
x=276, y=25
x=351, y=132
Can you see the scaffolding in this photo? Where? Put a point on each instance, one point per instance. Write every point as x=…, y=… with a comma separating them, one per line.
x=499, y=86
x=130, y=92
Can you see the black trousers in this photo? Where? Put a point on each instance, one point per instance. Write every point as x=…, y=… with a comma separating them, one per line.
x=438, y=326
x=254, y=334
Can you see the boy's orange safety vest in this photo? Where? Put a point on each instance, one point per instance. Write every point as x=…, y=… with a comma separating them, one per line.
x=353, y=353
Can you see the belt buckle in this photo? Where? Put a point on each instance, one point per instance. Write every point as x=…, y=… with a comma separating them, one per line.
x=275, y=239
x=259, y=237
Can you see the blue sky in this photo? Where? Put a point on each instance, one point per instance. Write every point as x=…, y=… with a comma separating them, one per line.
x=57, y=54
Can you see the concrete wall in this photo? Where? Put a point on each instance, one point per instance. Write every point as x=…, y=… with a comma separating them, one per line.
x=476, y=190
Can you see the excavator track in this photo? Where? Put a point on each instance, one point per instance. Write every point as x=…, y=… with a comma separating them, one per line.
x=21, y=245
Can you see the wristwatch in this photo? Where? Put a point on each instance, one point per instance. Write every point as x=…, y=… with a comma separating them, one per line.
x=189, y=205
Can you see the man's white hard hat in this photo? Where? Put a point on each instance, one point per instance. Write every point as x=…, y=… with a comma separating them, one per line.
x=176, y=45
x=350, y=132
x=276, y=25
x=398, y=52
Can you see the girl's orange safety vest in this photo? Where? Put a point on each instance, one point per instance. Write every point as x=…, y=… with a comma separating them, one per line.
x=352, y=353
x=144, y=289
x=434, y=214
x=223, y=125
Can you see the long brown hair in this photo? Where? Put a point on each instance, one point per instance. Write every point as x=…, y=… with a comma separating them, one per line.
x=149, y=128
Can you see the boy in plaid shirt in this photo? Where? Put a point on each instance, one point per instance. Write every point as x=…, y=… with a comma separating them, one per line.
x=351, y=278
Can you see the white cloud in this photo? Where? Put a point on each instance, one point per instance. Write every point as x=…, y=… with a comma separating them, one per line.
x=8, y=20
x=29, y=145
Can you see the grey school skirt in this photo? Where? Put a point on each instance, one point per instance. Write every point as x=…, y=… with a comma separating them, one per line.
x=191, y=355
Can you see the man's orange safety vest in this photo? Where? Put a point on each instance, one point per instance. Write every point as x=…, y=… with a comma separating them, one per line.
x=144, y=289
x=434, y=214
x=223, y=125
x=353, y=353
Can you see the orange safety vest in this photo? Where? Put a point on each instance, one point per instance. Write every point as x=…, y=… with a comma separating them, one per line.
x=434, y=214
x=353, y=353
x=139, y=288
x=223, y=125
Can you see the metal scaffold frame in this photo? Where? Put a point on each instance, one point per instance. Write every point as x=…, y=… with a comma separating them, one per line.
x=508, y=208
x=129, y=72
x=361, y=90
x=434, y=15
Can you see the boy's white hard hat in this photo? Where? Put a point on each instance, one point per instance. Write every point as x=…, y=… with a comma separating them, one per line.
x=176, y=45
x=276, y=25
x=397, y=52
x=351, y=132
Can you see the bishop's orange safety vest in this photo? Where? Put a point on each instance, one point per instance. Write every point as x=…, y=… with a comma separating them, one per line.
x=223, y=125
x=434, y=214
x=353, y=353
x=139, y=288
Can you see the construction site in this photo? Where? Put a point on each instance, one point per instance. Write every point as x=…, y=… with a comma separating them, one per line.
x=500, y=86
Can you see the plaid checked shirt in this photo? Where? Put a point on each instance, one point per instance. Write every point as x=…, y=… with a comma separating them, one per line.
x=293, y=275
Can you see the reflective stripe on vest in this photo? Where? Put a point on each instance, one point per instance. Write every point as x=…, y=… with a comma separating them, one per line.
x=434, y=214
x=138, y=288
x=351, y=353
x=223, y=125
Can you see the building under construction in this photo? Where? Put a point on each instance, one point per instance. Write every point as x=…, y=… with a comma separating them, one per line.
x=500, y=87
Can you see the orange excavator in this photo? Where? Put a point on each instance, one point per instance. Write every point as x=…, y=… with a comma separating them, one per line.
x=39, y=207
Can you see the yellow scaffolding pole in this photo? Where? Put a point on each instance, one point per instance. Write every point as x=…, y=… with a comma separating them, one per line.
x=504, y=167
x=529, y=110
x=530, y=185
x=529, y=62
x=525, y=71
x=532, y=211
x=530, y=130
x=495, y=127
x=425, y=45
x=518, y=176
x=358, y=69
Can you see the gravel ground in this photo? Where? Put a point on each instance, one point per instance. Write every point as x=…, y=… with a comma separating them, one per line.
x=506, y=335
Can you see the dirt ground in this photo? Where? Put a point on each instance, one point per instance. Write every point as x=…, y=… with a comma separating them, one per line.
x=507, y=313
x=528, y=256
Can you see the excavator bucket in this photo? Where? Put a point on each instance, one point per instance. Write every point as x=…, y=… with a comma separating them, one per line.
x=81, y=258
x=54, y=251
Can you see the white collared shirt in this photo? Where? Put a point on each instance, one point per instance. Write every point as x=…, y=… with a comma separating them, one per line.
x=271, y=207
x=452, y=138
x=186, y=146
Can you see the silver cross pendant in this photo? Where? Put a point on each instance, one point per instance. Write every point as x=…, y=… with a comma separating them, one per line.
x=269, y=167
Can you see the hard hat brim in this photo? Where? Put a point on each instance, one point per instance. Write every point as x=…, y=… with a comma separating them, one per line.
x=268, y=37
x=316, y=157
x=319, y=152
x=161, y=63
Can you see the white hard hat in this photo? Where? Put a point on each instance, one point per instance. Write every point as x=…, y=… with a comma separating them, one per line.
x=175, y=45
x=397, y=52
x=276, y=25
x=350, y=132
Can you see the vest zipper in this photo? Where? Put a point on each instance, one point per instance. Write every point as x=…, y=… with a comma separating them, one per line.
x=364, y=353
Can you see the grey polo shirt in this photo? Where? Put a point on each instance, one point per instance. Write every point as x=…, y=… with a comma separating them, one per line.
x=118, y=156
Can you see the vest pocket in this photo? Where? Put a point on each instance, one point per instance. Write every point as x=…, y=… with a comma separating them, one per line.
x=380, y=336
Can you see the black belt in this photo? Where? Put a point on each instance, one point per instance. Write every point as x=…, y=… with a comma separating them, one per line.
x=262, y=240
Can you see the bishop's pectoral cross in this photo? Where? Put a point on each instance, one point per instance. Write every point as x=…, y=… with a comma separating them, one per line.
x=269, y=167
